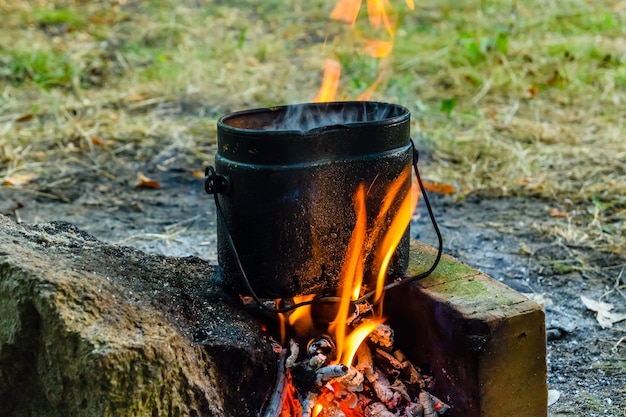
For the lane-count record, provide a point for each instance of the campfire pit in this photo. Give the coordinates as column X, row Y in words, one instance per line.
column 482, row 342
column 295, row 188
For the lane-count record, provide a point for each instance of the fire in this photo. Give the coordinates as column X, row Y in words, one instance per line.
column 352, row 270
column 383, row 27
column 330, row 82
column 346, row 11
column 356, row 337
column 379, row 241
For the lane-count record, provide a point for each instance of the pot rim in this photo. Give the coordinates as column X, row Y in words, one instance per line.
column 225, row 123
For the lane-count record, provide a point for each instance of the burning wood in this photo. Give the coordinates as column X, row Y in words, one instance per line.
column 432, row 405
column 382, row 382
column 329, row 372
column 294, row 350
column 382, row 336
column 381, row 386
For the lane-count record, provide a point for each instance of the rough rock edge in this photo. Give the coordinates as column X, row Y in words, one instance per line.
column 90, row 329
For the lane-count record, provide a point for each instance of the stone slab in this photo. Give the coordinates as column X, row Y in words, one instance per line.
column 91, row 329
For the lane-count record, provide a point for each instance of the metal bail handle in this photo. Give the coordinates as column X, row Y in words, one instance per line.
column 216, row 183
column 221, row 184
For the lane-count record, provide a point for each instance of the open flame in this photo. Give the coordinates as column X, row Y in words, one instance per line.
column 379, row 45
column 380, row 241
column 330, row 82
column 358, row 248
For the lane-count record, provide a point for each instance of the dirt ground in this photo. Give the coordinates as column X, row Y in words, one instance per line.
column 501, row 237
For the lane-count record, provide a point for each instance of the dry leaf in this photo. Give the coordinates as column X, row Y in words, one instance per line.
column 145, row 182
column 25, row 118
column 542, row 299
column 18, row 179
column 439, row 188
column 135, row 97
column 555, row 212
column 605, row 317
column 553, row 396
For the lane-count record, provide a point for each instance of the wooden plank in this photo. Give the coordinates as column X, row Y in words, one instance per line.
column 482, row 341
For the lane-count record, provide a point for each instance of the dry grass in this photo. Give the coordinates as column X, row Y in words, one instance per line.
column 511, row 98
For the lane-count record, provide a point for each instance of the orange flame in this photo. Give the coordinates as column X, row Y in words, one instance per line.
column 346, row 11
column 377, row 48
column 352, row 270
column 356, row 337
column 377, row 13
column 392, row 238
column 301, row 315
column 380, row 46
column 330, row 82
column 359, row 248
column 390, row 197
column 317, row 410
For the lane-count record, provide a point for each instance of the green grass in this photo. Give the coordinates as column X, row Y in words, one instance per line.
column 512, row 99
column 54, row 16
column 46, row 69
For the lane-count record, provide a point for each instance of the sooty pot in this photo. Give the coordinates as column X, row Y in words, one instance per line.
column 285, row 179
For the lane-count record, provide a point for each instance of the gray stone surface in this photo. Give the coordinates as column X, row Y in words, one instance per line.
column 90, row 329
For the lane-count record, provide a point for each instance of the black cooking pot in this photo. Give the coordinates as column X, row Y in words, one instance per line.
column 288, row 177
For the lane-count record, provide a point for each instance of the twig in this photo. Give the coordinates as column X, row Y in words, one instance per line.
column 619, row 342
column 483, row 91
column 180, row 223
column 278, row 396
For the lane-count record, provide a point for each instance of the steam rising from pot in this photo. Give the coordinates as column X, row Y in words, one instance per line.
column 308, row 118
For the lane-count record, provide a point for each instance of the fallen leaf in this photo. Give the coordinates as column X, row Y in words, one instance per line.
column 439, row 188
column 135, row 97
column 18, row 179
column 25, row 118
column 605, row 317
column 553, row 396
column 145, row 182
column 542, row 299
column 555, row 212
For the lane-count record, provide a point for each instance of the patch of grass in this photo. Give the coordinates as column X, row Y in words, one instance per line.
column 563, row 267
column 46, row 69
column 58, row 16
column 518, row 99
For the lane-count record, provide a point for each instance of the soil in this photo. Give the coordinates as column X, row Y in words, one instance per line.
column 499, row 236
